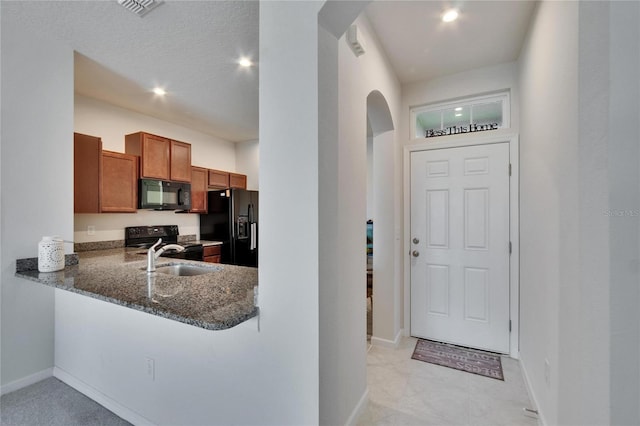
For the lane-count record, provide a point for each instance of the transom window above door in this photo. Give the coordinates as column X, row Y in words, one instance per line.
column 479, row 113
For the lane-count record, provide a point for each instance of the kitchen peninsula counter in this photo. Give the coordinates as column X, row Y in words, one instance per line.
column 215, row 301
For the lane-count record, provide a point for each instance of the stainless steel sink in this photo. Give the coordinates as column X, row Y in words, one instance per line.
column 185, row 269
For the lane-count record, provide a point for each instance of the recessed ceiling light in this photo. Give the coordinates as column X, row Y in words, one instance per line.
column 159, row 91
column 459, row 115
column 458, row 109
column 450, row 15
column 245, row 62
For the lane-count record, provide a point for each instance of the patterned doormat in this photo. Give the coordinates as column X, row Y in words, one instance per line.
column 470, row 360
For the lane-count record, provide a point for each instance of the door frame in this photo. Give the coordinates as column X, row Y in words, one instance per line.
column 458, row 141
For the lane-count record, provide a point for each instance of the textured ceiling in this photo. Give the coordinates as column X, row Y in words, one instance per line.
column 191, row 48
column 421, row 47
column 188, row 47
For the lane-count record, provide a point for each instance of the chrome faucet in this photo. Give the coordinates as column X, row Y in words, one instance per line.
column 152, row 254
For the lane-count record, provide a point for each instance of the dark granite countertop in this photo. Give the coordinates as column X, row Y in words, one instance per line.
column 215, row 301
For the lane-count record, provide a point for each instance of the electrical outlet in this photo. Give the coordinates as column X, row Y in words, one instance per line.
column 151, row 368
column 91, row 230
column 547, row 372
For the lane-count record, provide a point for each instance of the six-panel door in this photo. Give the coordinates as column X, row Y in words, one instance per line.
column 460, row 246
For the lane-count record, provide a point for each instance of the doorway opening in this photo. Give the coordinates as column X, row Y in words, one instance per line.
column 382, row 296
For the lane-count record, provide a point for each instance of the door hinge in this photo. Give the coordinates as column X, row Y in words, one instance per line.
column 510, row 247
column 509, row 326
column 509, row 169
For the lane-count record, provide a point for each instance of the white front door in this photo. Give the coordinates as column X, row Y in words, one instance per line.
column 460, row 246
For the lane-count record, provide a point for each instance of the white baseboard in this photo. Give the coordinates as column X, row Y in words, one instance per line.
column 102, row 399
column 359, row 408
column 532, row 395
column 377, row 341
column 26, row 381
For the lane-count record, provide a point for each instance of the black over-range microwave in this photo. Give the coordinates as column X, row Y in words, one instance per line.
column 164, row 195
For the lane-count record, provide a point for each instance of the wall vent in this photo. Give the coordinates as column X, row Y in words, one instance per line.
column 140, row 7
column 355, row 40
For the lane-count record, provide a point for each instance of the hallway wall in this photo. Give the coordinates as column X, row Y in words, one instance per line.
column 345, row 82
column 548, row 188
column 579, row 194
column 37, row 161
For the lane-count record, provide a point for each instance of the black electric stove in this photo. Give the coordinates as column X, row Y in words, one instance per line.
column 144, row 237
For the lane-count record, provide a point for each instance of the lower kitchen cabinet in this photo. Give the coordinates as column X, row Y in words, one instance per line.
column 212, row 254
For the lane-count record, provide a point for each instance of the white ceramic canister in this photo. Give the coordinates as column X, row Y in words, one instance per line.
column 50, row 254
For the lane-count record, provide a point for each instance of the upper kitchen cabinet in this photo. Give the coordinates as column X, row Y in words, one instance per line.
column 87, row 170
column 180, row 161
column 160, row 158
column 119, row 183
column 218, row 179
column 237, row 181
column 104, row 181
column 199, row 186
column 154, row 152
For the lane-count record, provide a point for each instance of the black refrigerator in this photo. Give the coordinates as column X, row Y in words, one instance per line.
column 233, row 219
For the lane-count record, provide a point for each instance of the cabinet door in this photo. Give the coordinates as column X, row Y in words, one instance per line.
column 155, row 157
column 212, row 254
column 119, row 182
column 180, row 161
column 218, row 179
column 237, row 181
column 86, row 173
column 199, row 188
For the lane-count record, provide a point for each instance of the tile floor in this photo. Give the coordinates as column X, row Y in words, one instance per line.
column 403, row 391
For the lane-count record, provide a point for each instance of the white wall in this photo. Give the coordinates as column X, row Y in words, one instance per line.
column 201, row 376
column 112, row 123
column 343, row 215
column 548, row 191
column 289, row 201
column 369, row 177
column 37, row 161
column 248, row 162
column 578, row 169
column 624, row 195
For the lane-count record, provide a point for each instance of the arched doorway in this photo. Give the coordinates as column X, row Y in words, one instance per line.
column 381, row 267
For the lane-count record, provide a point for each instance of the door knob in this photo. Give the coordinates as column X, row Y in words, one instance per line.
column 415, row 253
column 416, row 241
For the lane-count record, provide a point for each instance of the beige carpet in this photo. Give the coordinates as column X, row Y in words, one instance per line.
column 53, row 403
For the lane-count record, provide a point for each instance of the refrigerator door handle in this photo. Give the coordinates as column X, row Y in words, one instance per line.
column 253, row 236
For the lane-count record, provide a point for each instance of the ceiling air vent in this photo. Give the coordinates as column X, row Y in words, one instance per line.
column 140, row 7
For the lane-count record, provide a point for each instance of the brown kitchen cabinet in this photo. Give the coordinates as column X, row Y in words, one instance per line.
column 199, row 186
column 218, row 179
column 212, row 254
column 237, row 181
column 154, row 152
column 160, row 157
column 180, row 162
column 119, row 183
column 87, row 167
column 104, row 181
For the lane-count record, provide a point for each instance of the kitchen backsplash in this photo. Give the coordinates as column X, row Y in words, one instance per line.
column 110, row 226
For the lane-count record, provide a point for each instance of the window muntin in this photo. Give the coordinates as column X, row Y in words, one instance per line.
column 474, row 113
